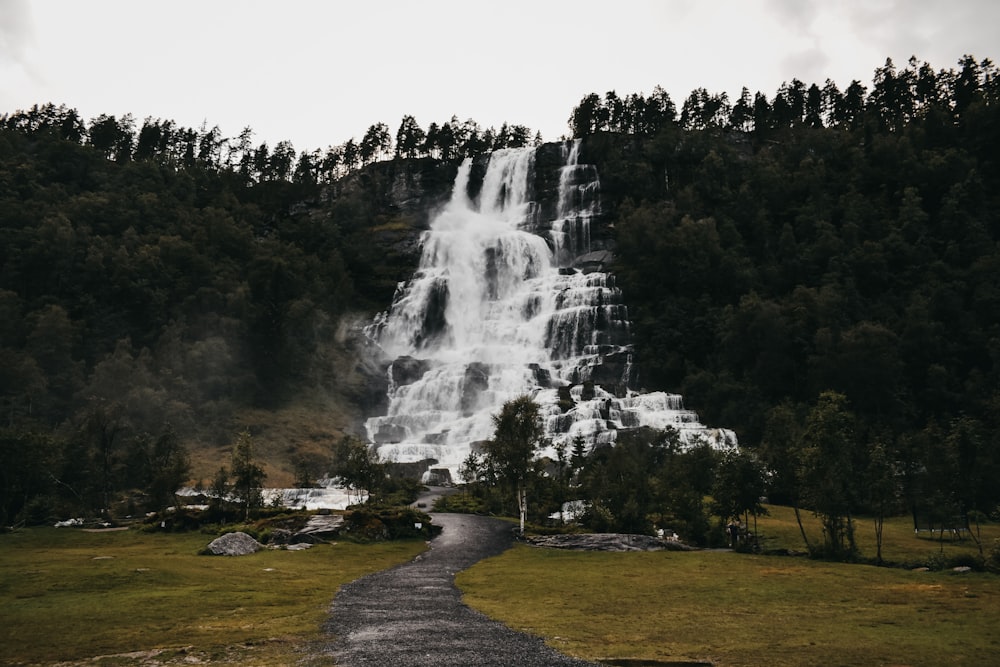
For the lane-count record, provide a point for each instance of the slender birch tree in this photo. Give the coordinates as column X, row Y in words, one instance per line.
column 518, row 437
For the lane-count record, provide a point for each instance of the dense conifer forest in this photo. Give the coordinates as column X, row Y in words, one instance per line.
column 787, row 260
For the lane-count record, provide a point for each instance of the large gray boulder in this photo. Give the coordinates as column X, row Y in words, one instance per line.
column 234, row 544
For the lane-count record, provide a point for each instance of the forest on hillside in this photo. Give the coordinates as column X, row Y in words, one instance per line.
column 156, row 280
column 774, row 249
column 824, row 244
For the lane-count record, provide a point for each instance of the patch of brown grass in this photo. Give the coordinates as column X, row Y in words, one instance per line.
column 309, row 426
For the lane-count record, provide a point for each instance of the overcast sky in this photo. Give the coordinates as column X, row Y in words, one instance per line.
column 318, row 72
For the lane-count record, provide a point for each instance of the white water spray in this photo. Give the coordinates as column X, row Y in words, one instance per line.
column 494, row 311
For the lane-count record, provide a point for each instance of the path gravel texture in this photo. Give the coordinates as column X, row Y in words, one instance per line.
column 413, row 616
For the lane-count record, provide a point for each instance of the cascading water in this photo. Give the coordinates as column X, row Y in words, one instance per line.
column 494, row 311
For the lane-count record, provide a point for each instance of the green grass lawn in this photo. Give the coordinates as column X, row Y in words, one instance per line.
column 70, row 595
column 739, row 609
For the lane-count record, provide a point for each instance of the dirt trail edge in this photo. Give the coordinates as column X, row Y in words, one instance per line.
column 412, row 615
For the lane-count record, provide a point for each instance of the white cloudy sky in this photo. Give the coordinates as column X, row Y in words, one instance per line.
column 318, row 72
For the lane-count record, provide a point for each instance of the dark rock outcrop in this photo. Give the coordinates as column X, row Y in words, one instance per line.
column 389, row 433
column 543, row 377
column 415, row 188
column 613, row 373
column 407, row 370
column 476, row 380
column 597, row 260
column 409, row 470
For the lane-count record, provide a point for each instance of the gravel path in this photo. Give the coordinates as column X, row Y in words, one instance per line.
column 413, row 616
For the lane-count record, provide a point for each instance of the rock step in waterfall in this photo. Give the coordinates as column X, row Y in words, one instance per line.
column 504, row 303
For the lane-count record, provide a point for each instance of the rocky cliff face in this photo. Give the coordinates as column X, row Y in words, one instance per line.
column 403, row 197
column 397, row 199
column 411, row 187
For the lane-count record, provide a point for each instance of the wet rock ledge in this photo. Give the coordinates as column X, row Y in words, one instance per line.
column 608, row 542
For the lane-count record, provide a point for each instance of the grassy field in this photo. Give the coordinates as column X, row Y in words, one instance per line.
column 900, row 545
column 70, row 595
column 726, row 608
column 134, row 598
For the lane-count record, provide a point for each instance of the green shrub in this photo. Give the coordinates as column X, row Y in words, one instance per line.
column 993, row 560
column 460, row 503
column 965, row 560
column 939, row 561
column 367, row 523
column 400, row 491
column 40, row 511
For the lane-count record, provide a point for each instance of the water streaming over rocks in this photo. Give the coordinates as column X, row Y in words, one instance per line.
column 507, row 302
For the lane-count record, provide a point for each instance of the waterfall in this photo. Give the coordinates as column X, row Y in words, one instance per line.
column 495, row 311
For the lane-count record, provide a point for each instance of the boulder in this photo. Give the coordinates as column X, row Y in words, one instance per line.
column 280, row 536
column 234, row 544
column 319, row 528
column 407, row 370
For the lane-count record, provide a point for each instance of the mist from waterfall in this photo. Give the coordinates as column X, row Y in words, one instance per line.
column 495, row 311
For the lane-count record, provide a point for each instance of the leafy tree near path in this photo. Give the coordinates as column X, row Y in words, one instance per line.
column 518, row 437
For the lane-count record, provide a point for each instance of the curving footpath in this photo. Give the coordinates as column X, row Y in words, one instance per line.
column 413, row 616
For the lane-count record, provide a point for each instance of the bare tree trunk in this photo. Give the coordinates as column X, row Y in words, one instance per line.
column 977, row 536
column 522, row 504
column 879, row 523
column 798, row 518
